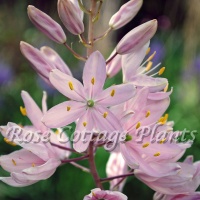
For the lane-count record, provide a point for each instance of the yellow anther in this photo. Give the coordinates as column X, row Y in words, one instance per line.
column 166, row 87
column 157, row 154
column 112, row 93
column 23, row 111
column 68, row 108
column 84, row 124
column 93, row 81
column 9, row 142
column 148, row 114
column 71, row 86
column 105, row 114
column 57, row 132
column 138, row 125
column 14, row 163
column 145, row 145
column 149, row 65
column 33, row 164
column 152, row 56
column 162, row 141
column 161, row 71
column 148, row 50
column 166, row 116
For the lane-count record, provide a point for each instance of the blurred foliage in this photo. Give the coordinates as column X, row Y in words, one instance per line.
column 16, row 74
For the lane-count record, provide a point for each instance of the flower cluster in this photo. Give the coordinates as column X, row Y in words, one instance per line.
column 129, row 109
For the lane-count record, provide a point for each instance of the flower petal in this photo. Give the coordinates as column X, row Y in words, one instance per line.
column 63, row 114
column 131, row 62
column 67, row 85
column 94, row 74
column 116, row 94
column 33, row 111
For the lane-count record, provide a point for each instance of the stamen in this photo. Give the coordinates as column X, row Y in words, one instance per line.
column 162, row 141
column 148, row 50
column 138, row 125
column 23, row 111
column 145, row 145
column 148, row 114
column 164, row 119
column 105, row 114
column 93, row 81
column 161, row 71
column 9, row 142
column 33, row 164
column 71, row 86
column 157, row 154
column 152, row 56
column 158, row 65
column 68, row 108
column 14, row 163
column 112, row 93
column 84, row 124
column 149, row 65
column 166, row 88
column 57, row 132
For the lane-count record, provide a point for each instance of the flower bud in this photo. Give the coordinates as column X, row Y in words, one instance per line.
column 114, row 66
column 125, row 14
column 71, row 15
column 46, row 25
column 55, row 60
column 137, row 38
column 43, row 61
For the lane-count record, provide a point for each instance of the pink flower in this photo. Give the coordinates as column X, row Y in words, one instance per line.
column 44, row 61
column 116, row 165
column 105, row 195
column 185, row 182
column 37, row 160
column 29, row 165
column 88, row 101
column 139, row 151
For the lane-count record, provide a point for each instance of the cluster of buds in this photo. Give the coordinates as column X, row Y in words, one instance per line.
column 132, row 111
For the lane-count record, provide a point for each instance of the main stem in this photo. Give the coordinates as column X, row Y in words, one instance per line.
column 93, row 168
column 91, row 27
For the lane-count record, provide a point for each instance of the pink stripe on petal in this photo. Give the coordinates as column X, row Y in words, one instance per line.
column 94, row 74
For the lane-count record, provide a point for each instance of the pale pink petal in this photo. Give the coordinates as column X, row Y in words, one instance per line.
column 159, row 95
column 55, row 60
column 116, row 94
column 154, row 84
column 63, row 114
column 84, row 126
column 33, row 111
column 115, row 166
column 67, row 85
column 131, row 62
column 94, row 74
column 114, row 66
column 19, row 160
column 10, row 181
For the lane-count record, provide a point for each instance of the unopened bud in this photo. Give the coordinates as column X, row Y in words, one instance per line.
column 125, row 14
column 46, row 25
column 114, row 66
column 137, row 38
column 71, row 15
